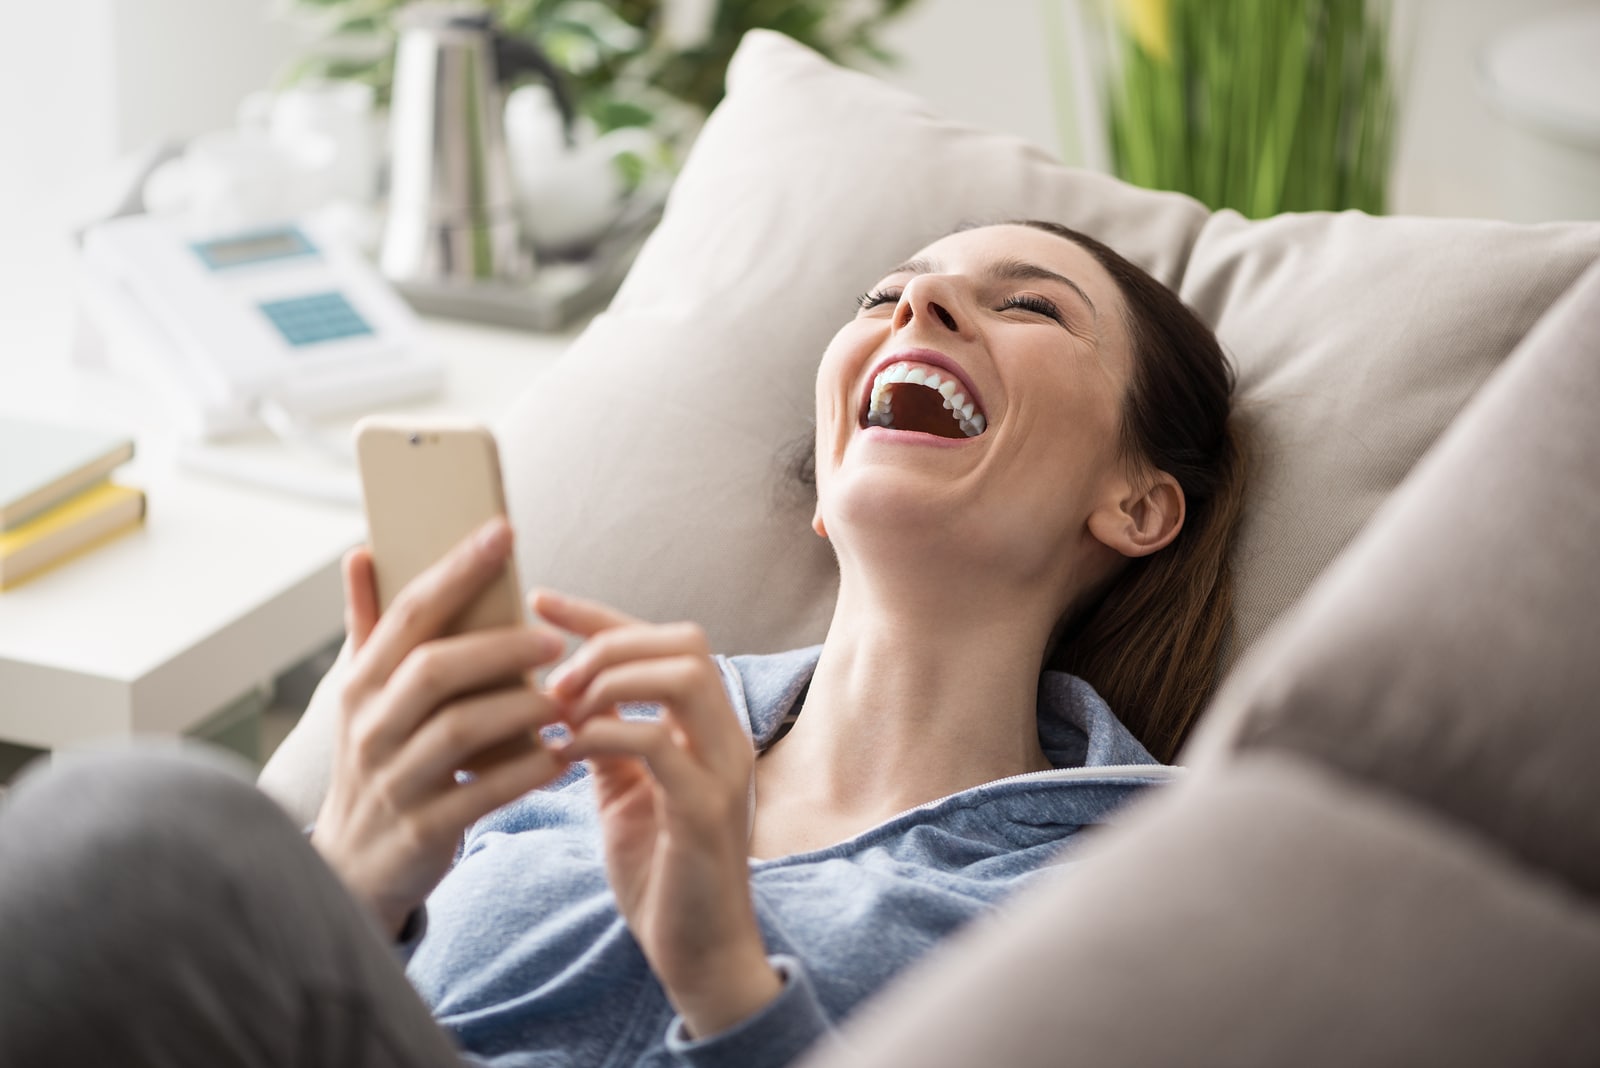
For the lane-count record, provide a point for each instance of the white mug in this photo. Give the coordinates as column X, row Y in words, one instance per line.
column 568, row 196
column 342, row 111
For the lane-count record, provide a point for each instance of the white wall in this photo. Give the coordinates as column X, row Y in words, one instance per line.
column 82, row 81
column 55, row 92
column 986, row 62
column 1456, row 156
column 184, row 65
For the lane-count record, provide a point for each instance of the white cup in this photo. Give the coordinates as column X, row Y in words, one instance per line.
column 340, row 111
column 568, row 196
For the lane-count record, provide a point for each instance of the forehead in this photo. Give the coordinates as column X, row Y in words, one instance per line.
column 970, row 250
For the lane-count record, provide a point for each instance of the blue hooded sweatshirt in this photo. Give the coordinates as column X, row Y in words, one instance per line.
column 523, row 957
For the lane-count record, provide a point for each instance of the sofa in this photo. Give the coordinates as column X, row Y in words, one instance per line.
column 1386, row 846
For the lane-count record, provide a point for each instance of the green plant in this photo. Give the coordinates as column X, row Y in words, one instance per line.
column 625, row 68
column 1258, row 105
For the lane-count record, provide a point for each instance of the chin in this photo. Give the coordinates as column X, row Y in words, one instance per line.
column 912, row 505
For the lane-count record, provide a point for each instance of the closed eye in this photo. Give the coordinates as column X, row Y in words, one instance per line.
column 1038, row 305
column 1025, row 301
column 872, row 298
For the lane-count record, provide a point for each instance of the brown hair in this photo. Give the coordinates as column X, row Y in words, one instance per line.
column 1150, row 642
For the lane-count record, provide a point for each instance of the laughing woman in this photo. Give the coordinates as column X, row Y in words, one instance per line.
column 1026, row 466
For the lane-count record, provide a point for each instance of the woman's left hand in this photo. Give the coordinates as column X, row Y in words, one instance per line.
column 673, row 796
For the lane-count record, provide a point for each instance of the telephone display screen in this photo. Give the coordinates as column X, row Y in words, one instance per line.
column 254, row 248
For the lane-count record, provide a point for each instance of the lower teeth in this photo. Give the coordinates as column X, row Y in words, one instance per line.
column 970, row 427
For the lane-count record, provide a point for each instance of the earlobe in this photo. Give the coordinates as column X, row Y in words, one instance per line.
column 1141, row 523
column 817, row 524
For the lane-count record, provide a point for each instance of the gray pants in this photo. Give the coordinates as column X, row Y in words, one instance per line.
column 157, row 909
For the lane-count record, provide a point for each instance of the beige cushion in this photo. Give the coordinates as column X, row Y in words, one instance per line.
column 1264, row 914
column 1452, row 654
column 644, row 470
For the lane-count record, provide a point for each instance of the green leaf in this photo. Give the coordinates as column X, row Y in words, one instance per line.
column 610, row 113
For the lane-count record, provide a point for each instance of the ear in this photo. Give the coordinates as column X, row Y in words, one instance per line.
column 817, row 524
column 1138, row 523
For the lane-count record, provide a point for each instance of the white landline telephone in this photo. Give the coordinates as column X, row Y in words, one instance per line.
column 270, row 326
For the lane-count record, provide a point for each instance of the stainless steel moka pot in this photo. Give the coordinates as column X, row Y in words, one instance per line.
column 452, row 211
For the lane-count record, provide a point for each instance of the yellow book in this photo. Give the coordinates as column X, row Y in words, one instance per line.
column 84, row 521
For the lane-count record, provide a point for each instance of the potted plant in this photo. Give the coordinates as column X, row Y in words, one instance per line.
column 1262, row 106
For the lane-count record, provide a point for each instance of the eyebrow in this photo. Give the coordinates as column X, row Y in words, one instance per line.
column 1010, row 269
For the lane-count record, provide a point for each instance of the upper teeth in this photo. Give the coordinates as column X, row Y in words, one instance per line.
column 965, row 413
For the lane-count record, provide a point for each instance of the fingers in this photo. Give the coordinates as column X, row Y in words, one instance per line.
column 438, row 671
column 433, row 598
column 360, row 596
column 458, row 735
column 581, row 617
column 625, row 660
column 620, row 644
column 648, row 740
column 688, row 689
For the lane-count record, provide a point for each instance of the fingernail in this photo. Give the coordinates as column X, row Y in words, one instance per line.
column 492, row 539
column 558, row 675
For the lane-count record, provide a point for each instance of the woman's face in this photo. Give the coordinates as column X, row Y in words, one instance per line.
column 977, row 392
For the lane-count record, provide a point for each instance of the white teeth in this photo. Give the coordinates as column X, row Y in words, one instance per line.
column 963, row 411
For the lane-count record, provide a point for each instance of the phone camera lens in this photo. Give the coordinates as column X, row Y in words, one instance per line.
column 415, row 439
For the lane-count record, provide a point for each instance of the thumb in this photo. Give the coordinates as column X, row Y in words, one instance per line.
column 360, row 596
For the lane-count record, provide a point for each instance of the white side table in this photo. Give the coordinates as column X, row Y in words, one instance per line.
column 226, row 585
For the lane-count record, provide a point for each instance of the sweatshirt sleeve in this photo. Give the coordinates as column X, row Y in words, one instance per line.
column 777, row 1035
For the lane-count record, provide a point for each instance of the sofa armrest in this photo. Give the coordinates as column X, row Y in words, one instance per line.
column 297, row 774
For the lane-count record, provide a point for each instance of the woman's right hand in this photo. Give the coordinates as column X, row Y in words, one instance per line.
column 414, row 709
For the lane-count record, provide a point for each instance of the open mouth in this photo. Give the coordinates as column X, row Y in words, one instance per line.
column 924, row 400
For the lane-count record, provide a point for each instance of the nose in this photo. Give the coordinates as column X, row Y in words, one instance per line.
column 932, row 298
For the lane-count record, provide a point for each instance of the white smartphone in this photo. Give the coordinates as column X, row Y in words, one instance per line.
column 426, row 485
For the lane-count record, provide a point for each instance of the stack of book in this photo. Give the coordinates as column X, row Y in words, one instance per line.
column 56, row 495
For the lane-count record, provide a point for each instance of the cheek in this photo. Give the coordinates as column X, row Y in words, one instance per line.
column 839, row 359
column 1068, row 429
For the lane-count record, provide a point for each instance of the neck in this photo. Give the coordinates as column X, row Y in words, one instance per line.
column 912, row 701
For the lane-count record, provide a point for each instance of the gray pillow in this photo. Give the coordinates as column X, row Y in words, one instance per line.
column 1452, row 654
column 1264, row 914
